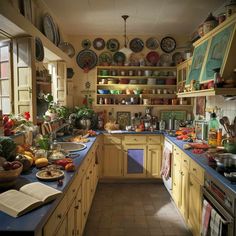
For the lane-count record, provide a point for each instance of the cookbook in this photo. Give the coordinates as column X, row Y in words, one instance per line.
column 30, row 196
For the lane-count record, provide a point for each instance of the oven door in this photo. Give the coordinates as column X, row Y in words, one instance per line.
column 228, row 225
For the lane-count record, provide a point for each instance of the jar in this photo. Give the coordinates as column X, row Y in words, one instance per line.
column 41, row 153
column 230, row 8
column 131, row 72
column 209, row 24
column 122, row 73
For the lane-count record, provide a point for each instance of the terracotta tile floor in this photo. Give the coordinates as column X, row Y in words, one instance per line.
column 133, row 210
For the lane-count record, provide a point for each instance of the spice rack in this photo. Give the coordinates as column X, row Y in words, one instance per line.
column 136, row 86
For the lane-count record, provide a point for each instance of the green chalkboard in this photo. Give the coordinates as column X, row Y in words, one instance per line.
column 199, row 55
column 217, row 52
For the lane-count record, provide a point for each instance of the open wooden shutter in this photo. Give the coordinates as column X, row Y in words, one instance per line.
column 24, row 70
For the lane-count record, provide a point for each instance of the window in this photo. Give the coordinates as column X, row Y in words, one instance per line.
column 5, row 77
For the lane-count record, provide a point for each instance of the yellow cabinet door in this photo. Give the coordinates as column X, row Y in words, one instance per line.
column 184, row 192
column 89, row 186
column 195, row 205
column 176, row 182
column 78, row 213
column 112, row 161
column 135, row 161
column 71, row 220
column 62, row 230
column 84, row 201
column 154, row 159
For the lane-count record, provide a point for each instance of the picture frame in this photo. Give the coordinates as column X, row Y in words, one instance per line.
column 123, row 119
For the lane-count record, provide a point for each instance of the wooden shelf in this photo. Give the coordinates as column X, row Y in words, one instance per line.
column 137, row 77
column 176, row 107
column 135, row 95
column 208, row 92
column 43, row 83
column 138, row 67
column 135, row 86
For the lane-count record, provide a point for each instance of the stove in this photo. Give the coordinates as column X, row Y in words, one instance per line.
column 228, row 172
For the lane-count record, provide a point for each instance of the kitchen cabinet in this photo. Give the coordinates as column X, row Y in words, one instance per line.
column 195, row 197
column 112, row 156
column 112, row 161
column 135, row 85
column 213, row 50
column 154, row 159
column 78, row 213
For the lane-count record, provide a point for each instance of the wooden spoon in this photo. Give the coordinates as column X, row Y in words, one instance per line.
column 222, row 122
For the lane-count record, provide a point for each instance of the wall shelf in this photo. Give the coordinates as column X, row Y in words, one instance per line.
column 208, row 92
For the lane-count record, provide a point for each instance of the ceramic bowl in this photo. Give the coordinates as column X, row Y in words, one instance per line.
column 103, row 91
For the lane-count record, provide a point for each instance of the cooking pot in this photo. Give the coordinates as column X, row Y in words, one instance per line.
column 229, row 145
column 225, row 160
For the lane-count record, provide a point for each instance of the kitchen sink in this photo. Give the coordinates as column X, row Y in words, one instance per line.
column 72, row 146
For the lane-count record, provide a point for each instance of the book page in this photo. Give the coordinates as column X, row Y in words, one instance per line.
column 16, row 203
column 40, row 191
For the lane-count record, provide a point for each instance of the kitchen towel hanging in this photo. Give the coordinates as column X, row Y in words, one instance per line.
column 216, row 223
column 206, row 215
column 166, row 163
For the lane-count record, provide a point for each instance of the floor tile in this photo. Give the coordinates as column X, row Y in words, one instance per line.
column 134, row 210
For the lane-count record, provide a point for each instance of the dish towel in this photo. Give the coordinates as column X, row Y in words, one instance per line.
column 216, row 223
column 166, row 163
column 206, row 215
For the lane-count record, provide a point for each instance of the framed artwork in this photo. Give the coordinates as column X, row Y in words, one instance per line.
column 217, row 52
column 199, row 55
column 200, row 105
column 123, row 119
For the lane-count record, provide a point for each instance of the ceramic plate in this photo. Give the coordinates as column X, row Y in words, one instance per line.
column 165, row 60
column 105, row 59
column 50, row 175
column 119, row 57
column 153, row 58
column 152, row 43
column 99, row 44
column 136, row 45
column 86, row 59
column 48, row 28
column 86, row 44
column 177, row 57
column 67, row 48
column 39, row 50
column 168, row 44
column 113, row 45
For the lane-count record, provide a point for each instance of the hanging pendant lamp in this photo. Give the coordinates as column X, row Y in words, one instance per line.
column 125, row 49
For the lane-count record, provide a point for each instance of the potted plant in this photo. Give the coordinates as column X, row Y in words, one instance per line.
column 51, row 113
column 86, row 118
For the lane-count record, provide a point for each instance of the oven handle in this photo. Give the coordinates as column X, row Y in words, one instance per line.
column 226, row 215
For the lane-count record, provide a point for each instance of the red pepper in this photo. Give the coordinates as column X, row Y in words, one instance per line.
column 64, row 162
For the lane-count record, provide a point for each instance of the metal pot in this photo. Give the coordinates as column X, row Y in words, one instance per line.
column 84, row 123
column 225, row 160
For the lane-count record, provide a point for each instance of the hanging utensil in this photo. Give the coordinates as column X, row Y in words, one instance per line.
column 222, row 122
column 227, row 124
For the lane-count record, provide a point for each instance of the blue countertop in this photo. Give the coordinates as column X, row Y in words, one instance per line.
column 34, row 220
column 202, row 160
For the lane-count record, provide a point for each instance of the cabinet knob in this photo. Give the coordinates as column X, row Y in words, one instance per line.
column 185, row 160
column 191, row 184
column 76, row 207
column 87, row 177
column 194, row 169
column 59, row 216
column 73, row 190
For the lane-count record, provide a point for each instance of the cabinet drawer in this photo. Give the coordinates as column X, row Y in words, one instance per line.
column 108, row 139
column 185, row 160
column 177, row 154
column 134, row 139
column 197, row 171
column 155, row 139
column 71, row 192
column 55, row 219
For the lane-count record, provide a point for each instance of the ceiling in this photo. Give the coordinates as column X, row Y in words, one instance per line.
column 147, row 17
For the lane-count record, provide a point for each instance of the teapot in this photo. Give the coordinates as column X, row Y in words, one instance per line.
column 229, row 145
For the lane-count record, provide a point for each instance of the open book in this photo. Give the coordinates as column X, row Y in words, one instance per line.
column 30, row 196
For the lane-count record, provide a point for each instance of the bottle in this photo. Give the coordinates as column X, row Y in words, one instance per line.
column 212, row 130
column 219, row 137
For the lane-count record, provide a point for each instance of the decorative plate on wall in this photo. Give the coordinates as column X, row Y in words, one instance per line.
column 113, row 45
column 67, row 48
column 39, row 50
column 177, row 57
column 165, row 59
column 99, row 43
column 168, row 44
column 152, row 43
column 48, row 28
column 86, row 59
column 136, row 45
column 105, row 59
column 119, row 57
column 86, row 43
column 153, row 58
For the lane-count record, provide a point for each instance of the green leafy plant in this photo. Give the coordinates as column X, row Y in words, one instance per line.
column 84, row 112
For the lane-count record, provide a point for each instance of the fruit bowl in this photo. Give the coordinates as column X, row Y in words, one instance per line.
column 9, row 177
